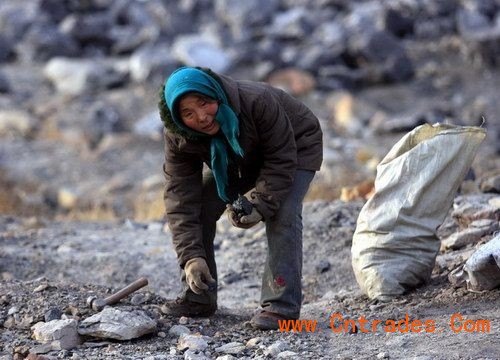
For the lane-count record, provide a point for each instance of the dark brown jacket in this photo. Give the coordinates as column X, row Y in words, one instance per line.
column 278, row 135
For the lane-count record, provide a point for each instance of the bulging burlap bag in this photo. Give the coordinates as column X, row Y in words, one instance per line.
column 395, row 243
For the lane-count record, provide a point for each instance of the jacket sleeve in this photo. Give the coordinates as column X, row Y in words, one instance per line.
column 182, row 196
column 279, row 154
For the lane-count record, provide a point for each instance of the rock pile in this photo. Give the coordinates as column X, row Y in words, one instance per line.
column 343, row 42
column 79, row 83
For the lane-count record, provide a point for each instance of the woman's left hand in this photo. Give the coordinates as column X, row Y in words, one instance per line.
column 246, row 221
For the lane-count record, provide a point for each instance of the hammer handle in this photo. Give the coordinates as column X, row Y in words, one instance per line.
column 127, row 290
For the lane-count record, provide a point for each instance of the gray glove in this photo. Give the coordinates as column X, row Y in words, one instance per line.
column 245, row 221
column 198, row 275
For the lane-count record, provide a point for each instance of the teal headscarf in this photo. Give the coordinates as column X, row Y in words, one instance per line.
column 186, row 80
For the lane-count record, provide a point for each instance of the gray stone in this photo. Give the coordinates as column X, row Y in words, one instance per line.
column 201, row 50
column 129, row 38
column 276, row 348
column 117, row 324
column 194, row 355
column 481, row 47
column 398, row 123
column 62, row 334
column 441, row 8
column 323, row 266
column 363, row 18
column 482, row 270
column 287, row 355
column 469, row 21
column 178, row 330
column 290, row 24
column 225, row 357
column 75, row 77
column 16, row 18
column 469, row 208
column 233, row 348
column 13, row 310
column 44, row 41
column 242, row 15
column 434, row 28
column 152, row 63
column 330, row 33
column 53, row 9
column 192, row 342
column 16, row 123
column 397, row 23
column 52, row 314
column 253, row 342
column 149, row 125
column 93, row 27
column 100, row 120
column 491, row 184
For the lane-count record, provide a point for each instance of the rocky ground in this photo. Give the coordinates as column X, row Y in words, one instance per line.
column 52, row 268
column 81, row 155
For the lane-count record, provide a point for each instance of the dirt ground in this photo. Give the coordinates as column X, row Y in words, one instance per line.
column 47, row 265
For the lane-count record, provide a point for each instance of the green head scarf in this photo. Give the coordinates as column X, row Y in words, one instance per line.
column 187, row 80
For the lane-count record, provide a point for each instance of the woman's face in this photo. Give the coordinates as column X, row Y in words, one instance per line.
column 198, row 113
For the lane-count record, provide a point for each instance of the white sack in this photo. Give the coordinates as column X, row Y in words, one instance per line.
column 395, row 243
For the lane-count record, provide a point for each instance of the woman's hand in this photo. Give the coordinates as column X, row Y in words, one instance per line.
column 245, row 221
column 198, row 275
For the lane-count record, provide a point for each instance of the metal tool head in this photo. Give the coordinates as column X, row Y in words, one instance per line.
column 95, row 303
column 90, row 300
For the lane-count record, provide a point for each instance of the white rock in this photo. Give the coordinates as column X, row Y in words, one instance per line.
column 178, row 330
column 287, row 355
column 201, row 50
column 276, row 348
column 149, row 125
column 231, row 348
column 193, row 355
column 253, row 342
column 13, row 310
column 62, row 334
column 117, row 324
column 16, row 122
column 67, row 198
column 225, row 357
column 192, row 342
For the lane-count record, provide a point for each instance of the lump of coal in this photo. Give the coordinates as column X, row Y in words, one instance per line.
column 242, row 206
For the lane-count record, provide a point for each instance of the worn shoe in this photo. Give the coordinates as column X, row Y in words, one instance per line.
column 183, row 307
column 267, row 320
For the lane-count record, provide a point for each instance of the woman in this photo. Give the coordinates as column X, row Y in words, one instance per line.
column 256, row 139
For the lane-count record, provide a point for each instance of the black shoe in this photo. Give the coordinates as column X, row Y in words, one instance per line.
column 267, row 320
column 182, row 307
